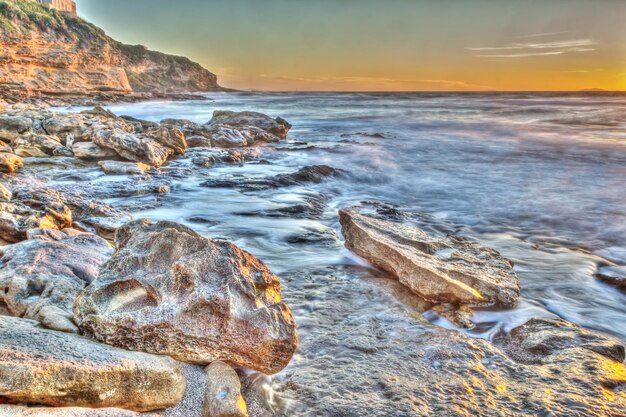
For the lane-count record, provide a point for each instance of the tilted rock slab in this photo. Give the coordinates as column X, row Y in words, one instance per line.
column 170, row 291
column 47, row 272
column 443, row 270
column 45, row 367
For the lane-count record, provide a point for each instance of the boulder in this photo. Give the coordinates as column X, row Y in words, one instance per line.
column 198, row 141
column 11, row 126
column 17, row 411
column 89, row 150
column 9, row 163
column 223, row 392
column 44, row 367
column 67, row 127
column 231, row 129
column 5, row 194
column 123, row 168
column 41, row 277
column 447, row 269
column 168, row 290
column 171, row 138
column 132, row 147
column 40, row 146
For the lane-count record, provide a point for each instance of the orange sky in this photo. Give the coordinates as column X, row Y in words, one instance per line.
column 392, row 45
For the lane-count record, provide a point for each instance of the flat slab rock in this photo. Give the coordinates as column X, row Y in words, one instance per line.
column 542, row 368
column 17, row 411
column 170, row 291
column 44, row 367
column 447, row 269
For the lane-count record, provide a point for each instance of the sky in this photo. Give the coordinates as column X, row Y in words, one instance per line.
column 383, row 45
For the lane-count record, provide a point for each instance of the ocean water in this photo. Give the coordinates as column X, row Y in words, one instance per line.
column 540, row 177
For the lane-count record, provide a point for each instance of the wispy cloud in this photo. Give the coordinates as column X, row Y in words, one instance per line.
column 540, row 35
column 529, row 49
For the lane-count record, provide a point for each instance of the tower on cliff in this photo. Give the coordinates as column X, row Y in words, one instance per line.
column 66, row 6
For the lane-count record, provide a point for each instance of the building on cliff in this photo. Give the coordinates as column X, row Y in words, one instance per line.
column 66, row 6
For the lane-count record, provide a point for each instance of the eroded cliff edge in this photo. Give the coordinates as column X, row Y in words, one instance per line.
column 47, row 53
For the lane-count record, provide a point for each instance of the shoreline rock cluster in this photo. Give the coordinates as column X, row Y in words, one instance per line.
column 102, row 315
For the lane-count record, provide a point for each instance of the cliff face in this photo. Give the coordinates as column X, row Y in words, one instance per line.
column 46, row 52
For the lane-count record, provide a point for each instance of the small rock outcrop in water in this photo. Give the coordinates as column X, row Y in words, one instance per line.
column 40, row 278
column 44, row 367
column 236, row 129
column 442, row 270
column 168, row 290
column 613, row 275
column 223, row 393
column 313, row 174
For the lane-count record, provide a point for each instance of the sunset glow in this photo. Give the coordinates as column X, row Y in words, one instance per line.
column 401, row 45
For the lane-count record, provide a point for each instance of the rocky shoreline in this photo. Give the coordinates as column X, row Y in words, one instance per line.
column 102, row 314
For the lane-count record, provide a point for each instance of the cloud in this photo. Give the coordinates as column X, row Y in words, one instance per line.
column 529, row 49
column 540, row 35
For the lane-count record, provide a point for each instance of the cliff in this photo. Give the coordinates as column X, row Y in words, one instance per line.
column 45, row 52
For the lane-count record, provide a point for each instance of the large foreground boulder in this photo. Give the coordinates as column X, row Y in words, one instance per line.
column 45, row 367
column 447, row 269
column 170, row 291
column 40, row 278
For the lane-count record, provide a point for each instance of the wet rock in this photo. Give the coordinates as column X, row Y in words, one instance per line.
column 541, row 341
column 430, row 371
column 123, row 168
column 17, row 411
column 170, row 291
column 223, row 393
column 9, row 163
column 171, row 138
column 5, row 194
column 442, row 270
column 132, row 147
column 44, row 367
column 310, row 174
column 236, row 129
column 312, row 207
column 49, row 272
column 613, row 275
column 91, row 151
column 314, row 236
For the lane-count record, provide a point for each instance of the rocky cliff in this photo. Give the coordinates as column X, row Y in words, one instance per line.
column 44, row 52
